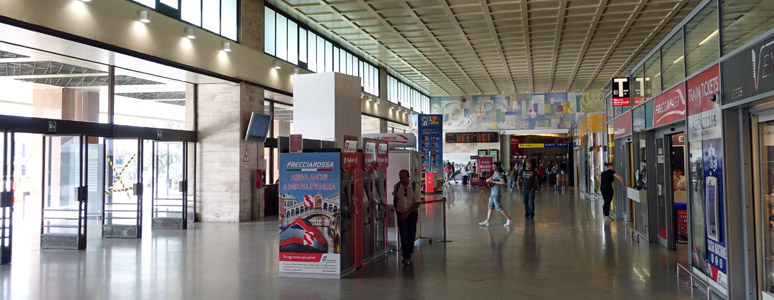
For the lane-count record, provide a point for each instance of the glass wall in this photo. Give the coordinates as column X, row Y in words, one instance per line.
column 653, row 76
column 701, row 39
column 743, row 21
column 217, row 16
column 407, row 96
column 44, row 85
column 672, row 68
column 286, row 39
column 638, row 87
column 150, row 101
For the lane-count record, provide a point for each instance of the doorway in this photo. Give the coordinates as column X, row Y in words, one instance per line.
column 672, row 194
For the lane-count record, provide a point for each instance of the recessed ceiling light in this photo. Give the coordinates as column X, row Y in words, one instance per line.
column 189, row 33
column 85, row 0
column 277, row 65
column 226, row 47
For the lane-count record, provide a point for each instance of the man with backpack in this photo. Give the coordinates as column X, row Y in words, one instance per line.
column 406, row 199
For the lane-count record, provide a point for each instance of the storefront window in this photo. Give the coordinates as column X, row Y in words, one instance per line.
column 701, row 38
column 653, row 76
column 43, row 85
column 767, row 192
column 696, row 178
column 151, row 101
column 743, row 21
column 672, row 64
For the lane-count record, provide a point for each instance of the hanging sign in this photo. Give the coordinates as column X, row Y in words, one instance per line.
column 669, row 106
column 623, row 125
column 621, row 92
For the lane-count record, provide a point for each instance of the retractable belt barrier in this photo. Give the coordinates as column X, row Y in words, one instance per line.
column 419, row 227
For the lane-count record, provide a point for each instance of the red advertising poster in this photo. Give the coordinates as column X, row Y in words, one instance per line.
column 514, row 142
column 296, row 143
column 353, row 165
column 682, row 226
column 623, row 125
column 669, row 106
column 701, row 89
column 485, row 164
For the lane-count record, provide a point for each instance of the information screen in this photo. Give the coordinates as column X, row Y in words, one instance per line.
column 472, row 137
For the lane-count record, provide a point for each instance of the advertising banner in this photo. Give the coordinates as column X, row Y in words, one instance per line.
column 669, row 106
column 712, row 150
column 430, row 136
column 623, row 125
column 309, row 239
column 296, row 143
column 701, row 89
column 748, row 73
column 407, row 140
column 485, row 164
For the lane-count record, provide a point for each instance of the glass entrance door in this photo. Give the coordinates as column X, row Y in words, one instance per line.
column 122, row 205
column 661, row 192
column 170, row 185
column 63, row 224
column 6, row 195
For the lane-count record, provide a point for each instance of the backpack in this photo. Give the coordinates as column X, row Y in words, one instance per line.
column 395, row 191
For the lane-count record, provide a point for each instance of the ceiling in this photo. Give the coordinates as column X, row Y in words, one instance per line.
column 463, row 47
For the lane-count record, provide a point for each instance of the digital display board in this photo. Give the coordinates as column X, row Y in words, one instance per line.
column 472, row 137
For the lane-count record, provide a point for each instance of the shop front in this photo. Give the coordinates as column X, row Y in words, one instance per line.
column 590, row 153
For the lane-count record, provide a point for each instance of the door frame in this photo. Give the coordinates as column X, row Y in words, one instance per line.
column 6, row 196
column 665, row 134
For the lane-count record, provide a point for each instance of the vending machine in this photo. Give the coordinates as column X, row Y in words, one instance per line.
column 369, row 203
column 316, row 194
column 353, row 166
column 380, row 198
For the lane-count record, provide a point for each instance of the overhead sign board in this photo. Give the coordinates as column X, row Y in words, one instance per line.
column 749, row 72
column 621, row 91
column 704, row 91
column 623, row 125
column 472, row 137
column 395, row 139
column 669, row 106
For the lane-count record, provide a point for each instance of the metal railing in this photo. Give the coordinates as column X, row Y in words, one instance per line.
column 710, row 290
column 631, row 233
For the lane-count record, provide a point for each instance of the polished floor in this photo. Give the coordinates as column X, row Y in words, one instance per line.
column 567, row 252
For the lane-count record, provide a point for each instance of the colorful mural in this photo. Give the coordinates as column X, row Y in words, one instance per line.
column 514, row 112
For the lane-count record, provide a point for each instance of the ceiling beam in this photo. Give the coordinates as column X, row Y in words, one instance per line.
column 527, row 47
column 557, row 40
column 438, row 44
column 343, row 18
column 589, row 35
column 394, row 31
column 621, row 35
column 496, row 38
column 652, row 35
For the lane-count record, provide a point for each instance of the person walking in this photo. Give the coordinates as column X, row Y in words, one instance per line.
column 406, row 197
column 606, row 187
column 447, row 171
column 528, row 184
column 453, row 174
column 511, row 177
column 494, row 197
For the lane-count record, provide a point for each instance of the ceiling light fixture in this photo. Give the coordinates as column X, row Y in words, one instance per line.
column 226, row 46
column 189, row 33
column 678, row 60
column 85, row 0
column 709, row 37
column 144, row 16
column 277, row 65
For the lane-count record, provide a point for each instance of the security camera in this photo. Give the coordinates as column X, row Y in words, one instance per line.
column 714, row 97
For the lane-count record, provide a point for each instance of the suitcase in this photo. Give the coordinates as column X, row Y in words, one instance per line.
column 464, row 179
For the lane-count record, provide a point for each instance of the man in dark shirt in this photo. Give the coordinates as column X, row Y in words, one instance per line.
column 528, row 184
column 606, row 187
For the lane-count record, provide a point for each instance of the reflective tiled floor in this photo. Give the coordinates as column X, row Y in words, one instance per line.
column 567, row 252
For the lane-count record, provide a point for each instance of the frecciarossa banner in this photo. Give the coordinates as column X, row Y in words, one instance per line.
column 669, row 106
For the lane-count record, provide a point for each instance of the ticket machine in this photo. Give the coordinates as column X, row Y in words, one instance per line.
column 380, row 198
column 368, row 216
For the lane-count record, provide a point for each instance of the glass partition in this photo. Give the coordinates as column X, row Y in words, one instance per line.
column 743, row 21
column 672, row 65
column 701, row 39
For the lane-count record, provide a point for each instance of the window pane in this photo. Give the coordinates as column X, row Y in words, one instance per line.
column 211, row 19
column 228, row 27
column 151, row 101
column 282, row 37
column 349, row 64
column 745, row 20
column 302, row 45
column 336, row 59
column 638, row 86
column 292, row 42
column 653, row 76
column 328, row 56
column 170, row 3
column 701, row 39
column 320, row 54
column 312, row 46
column 672, row 69
column 191, row 11
column 269, row 32
column 149, row 3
